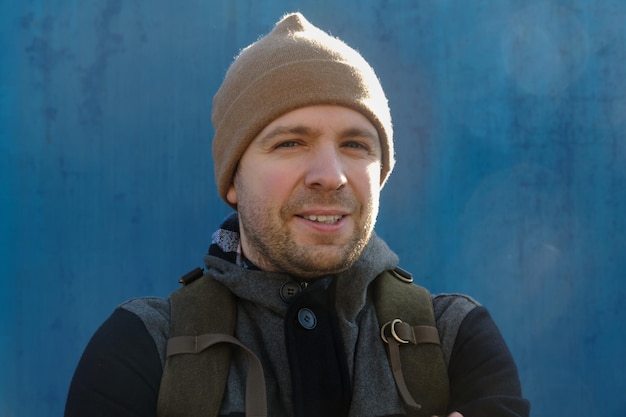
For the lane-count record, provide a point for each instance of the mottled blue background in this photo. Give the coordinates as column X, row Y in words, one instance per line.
column 510, row 182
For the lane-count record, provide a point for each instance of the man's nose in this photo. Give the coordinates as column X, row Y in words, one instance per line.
column 325, row 169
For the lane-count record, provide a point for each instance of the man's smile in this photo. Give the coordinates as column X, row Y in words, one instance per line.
column 328, row 219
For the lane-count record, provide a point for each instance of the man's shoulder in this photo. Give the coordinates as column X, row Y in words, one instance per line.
column 148, row 308
column 154, row 312
column 453, row 305
column 450, row 311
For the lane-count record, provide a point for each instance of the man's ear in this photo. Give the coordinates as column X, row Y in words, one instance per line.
column 231, row 195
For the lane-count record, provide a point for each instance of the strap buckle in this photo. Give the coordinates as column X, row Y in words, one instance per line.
column 392, row 324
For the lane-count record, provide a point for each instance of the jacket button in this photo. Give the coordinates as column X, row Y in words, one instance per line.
column 288, row 290
column 307, row 318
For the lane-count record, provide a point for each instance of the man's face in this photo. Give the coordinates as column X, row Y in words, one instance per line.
column 307, row 190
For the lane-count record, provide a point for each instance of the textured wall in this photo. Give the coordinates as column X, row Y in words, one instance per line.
column 510, row 182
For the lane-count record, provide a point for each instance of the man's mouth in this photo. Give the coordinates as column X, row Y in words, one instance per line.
column 327, row 219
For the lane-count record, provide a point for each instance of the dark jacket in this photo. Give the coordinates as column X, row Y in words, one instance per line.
column 120, row 370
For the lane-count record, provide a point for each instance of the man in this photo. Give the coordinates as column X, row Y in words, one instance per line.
column 303, row 145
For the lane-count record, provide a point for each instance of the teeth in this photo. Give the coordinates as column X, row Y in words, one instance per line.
column 324, row 219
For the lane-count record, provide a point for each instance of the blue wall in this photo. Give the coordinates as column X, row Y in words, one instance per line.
column 510, row 183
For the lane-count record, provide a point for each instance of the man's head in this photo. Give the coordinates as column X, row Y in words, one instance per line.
column 303, row 145
column 295, row 65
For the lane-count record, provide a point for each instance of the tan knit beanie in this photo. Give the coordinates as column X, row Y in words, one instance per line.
column 295, row 65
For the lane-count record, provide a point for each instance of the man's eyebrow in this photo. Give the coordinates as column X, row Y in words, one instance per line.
column 288, row 130
column 351, row 132
column 356, row 132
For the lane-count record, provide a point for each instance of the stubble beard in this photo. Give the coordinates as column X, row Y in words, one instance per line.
column 276, row 249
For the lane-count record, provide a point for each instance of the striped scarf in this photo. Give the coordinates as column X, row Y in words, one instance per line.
column 226, row 243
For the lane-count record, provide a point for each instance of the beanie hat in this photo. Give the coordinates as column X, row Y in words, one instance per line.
column 294, row 66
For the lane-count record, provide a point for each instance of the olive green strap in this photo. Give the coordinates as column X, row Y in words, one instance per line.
column 395, row 333
column 405, row 333
column 407, row 320
column 194, row 385
column 256, row 403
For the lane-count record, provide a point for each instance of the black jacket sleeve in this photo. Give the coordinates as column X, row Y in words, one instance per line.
column 119, row 372
column 483, row 376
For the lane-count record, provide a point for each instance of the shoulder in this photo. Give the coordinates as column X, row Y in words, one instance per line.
column 450, row 312
column 453, row 306
column 148, row 308
column 120, row 364
column 154, row 313
column 483, row 375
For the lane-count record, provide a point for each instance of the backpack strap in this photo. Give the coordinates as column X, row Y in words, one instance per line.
column 408, row 328
column 198, row 350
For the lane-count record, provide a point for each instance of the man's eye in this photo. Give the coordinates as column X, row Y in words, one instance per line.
column 287, row 144
column 356, row 145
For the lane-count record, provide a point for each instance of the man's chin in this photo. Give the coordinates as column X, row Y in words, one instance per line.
column 325, row 260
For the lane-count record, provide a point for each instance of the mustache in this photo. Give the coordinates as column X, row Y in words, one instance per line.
column 336, row 199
